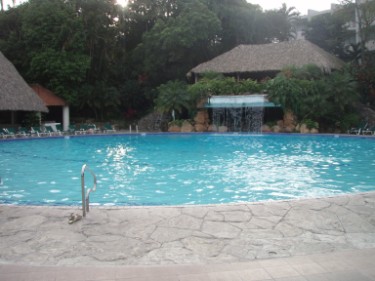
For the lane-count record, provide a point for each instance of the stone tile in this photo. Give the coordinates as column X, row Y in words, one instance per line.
column 193, row 277
column 220, row 229
column 293, row 278
column 335, row 265
column 224, row 276
column 72, row 274
column 254, row 274
column 308, row 268
column 232, row 266
column 340, row 276
column 194, row 235
column 182, row 222
column 282, row 271
column 164, row 234
column 150, row 278
column 30, row 276
column 273, row 262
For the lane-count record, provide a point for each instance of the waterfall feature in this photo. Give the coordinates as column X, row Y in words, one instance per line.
column 239, row 113
column 244, row 119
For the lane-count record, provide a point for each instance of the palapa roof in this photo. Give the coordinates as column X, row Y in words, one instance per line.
column 271, row 57
column 15, row 93
column 48, row 97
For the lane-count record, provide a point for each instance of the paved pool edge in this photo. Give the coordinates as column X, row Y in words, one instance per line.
column 193, row 235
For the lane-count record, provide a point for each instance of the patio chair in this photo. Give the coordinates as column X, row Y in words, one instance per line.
column 108, row 128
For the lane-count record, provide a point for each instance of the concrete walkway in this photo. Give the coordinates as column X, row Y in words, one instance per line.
column 267, row 241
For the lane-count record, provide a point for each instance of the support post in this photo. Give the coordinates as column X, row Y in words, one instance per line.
column 66, row 118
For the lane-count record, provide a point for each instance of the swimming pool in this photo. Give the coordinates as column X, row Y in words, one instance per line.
column 174, row 169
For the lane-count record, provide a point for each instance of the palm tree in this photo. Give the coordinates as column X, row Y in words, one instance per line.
column 282, row 23
column 173, row 98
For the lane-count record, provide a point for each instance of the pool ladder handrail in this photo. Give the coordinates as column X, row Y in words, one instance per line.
column 86, row 195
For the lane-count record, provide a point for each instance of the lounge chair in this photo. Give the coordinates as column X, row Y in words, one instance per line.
column 59, row 130
column 369, row 131
column 108, row 128
column 23, row 132
column 89, row 128
column 75, row 131
column 39, row 132
column 358, row 130
column 49, row 131
column 7, row 133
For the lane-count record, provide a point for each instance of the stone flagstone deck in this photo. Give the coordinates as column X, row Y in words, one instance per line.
column 186, row 235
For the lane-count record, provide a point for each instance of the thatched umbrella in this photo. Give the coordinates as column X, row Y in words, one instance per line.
column 270, row 58
column 15, row 93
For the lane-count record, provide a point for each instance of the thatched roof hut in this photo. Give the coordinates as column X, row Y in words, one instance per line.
column 269, row 59
column 15, row 93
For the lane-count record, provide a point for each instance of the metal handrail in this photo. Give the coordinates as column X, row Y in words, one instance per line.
column 86, row 197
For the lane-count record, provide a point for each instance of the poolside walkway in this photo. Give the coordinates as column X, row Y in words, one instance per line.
column 313, row 239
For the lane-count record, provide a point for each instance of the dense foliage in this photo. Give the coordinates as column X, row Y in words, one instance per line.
column 312, row 95
column 107, row 60
column 110, row 61
column 336, row 34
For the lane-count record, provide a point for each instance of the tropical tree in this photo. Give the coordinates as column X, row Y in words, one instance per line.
column 216, row 84
column 45, row 40
column 362, row 14
column 173, row 98
column 309, row 93
column 241, row 23
column 281, row 23
column 175, row 45
column 329, row 32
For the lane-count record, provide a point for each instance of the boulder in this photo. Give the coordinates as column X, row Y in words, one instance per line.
column 174, row 129
column 187, row 127
column 289, row 119
column 223, row 129
column 266, row 129
column 200, row 128
column 201, row 117
column 314, row 131
column 276, row 129
column 280, row 123
column 289, row 129
column 212, row 128
column 303, row 129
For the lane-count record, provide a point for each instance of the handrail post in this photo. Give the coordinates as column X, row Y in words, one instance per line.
column 83, row 190
column 86, row 197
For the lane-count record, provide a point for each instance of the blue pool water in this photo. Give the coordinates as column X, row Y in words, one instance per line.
column 168, row 169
